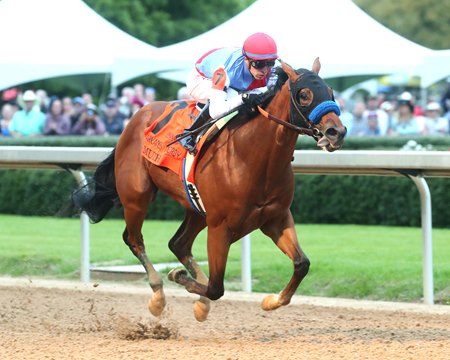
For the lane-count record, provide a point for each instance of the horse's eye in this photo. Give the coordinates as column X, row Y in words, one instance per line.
column 305, row 97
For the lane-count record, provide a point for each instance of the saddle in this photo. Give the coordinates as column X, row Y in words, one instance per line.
column 163, row 131
column 161, row 146
column 162, row 139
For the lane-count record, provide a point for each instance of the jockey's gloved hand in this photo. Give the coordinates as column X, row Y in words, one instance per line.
column 252, row 99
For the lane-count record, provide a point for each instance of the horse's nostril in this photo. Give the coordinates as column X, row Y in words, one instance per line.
column 331, row 132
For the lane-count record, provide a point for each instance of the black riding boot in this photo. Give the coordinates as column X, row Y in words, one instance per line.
column 189, row 142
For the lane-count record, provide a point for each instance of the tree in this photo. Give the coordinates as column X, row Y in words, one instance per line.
column 165, row 22
column 426, row 22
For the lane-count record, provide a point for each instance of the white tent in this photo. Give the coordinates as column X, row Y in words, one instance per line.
column 49, row 38
column 435, row 67
column 347, row 40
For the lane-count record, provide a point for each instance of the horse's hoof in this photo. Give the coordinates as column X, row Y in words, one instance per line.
column 175, row 274
column 270, row 302
column 157, row 303
column 201, row 309
column 171, row 275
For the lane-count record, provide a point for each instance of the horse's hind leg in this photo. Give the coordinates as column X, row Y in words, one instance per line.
column 181, row 246
column 135, row 211
column 282, row 232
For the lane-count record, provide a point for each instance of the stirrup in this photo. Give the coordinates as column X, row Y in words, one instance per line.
column 188, row 138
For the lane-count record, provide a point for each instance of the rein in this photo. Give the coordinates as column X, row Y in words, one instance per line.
column 299, row 130
column 310, row 130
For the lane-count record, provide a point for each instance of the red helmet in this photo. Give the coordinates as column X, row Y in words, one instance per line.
column 260, row 46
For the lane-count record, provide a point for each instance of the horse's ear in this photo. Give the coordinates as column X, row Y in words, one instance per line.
column 291, row 73
column 316, row 66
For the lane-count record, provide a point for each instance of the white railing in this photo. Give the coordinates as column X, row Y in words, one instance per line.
column 414, row 164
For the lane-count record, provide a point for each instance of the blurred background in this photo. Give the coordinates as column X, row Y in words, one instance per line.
column 166, row 22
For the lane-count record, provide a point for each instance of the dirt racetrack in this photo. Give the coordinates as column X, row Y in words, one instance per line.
column 46, row 319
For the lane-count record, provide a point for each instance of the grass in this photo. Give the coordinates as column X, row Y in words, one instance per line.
column 370, row 262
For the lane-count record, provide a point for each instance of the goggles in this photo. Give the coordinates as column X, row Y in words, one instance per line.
column 261, row 64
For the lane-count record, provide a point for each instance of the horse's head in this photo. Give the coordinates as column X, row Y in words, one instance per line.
column 313, row 106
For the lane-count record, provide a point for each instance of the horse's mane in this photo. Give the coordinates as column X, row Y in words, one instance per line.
column 281, row 77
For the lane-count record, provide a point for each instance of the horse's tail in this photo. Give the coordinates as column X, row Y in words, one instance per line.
column 98, row 196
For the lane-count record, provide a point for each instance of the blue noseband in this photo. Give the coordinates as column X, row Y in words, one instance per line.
column 322, row 109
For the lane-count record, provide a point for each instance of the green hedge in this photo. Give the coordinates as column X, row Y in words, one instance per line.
column 339, row 199
column 343, row 199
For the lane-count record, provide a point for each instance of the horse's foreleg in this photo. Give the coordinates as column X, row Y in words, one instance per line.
column 218, row 247
column 283, row 234
column 202, row 305
column 181, row 246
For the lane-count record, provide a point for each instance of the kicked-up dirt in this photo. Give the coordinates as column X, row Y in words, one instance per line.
column 48, row 319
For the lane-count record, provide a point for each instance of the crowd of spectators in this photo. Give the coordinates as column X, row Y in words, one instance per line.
column 34, row 113
column 399, row 117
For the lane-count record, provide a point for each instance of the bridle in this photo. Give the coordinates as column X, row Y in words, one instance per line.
column 310, row 130
column 306, row 126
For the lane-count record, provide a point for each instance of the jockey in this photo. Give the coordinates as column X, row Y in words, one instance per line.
column 229, row 77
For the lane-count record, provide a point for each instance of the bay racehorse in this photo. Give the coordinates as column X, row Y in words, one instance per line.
column 244, row 177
